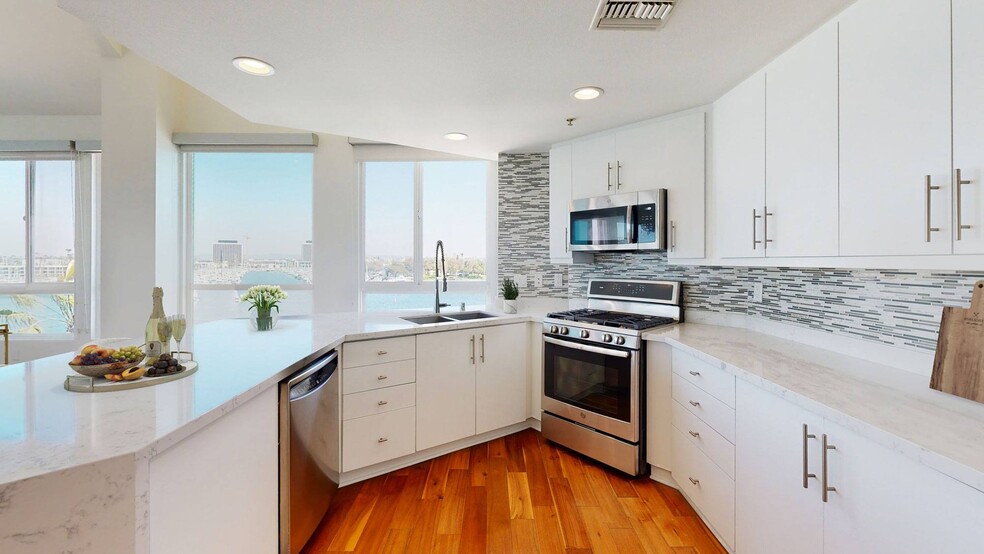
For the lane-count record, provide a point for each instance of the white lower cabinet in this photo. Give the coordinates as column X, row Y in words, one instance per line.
column 886, row 502
column 775, row 513
column 877, row 500
column 470, row 382
column 377, row 438
column 706, row 485
column 502, row 377
column 445, row 387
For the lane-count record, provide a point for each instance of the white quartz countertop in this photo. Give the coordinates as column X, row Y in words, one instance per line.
column 892, row 407
column 45, row 429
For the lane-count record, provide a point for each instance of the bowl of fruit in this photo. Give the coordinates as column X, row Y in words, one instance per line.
column 101, row 361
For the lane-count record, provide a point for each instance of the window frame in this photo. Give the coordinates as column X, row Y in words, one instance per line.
column 419, row 285
column 186, row 202
column 85, row 171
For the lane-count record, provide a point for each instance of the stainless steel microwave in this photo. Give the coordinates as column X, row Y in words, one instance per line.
column 630, row 221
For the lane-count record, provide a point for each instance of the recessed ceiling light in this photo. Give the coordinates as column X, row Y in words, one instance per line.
column 587, row 93
column 456, row 136
column 253, row 66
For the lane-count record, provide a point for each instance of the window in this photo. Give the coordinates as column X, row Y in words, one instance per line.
column 250, row 225
column 407, row 208
column 42, row 277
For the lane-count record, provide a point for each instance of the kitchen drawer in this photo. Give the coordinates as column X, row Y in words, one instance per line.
column 718, row 415
column 358, row 354
column 716, row 381
column 371, row 377
column 377, row 438
column 709, row 488
column 709, row 441
column 378, row 401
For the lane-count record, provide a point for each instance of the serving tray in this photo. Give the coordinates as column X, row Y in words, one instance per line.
column 81, row 383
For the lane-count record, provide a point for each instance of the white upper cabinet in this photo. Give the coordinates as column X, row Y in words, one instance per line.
column 560, row 199
column 895, row 128
column 738, row 139
column 801, row 148
column 968, row 125
column 593, row 167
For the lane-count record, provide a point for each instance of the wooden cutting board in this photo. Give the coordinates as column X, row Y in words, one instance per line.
column 959, row 365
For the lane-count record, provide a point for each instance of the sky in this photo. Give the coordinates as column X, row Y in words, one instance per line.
column 54, row 215
column 263, row 196
column 453, row 208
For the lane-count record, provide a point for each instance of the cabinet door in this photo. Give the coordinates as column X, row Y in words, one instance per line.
column 502, row 381
column 774, row 513
column 801, row 148
column 678, row 166
column 445, row 387
column 738, row 139
column 593, row 167
column 968, row 123
column 637, row 150
column 560, row 200
column 895, row 128
column 886, row 502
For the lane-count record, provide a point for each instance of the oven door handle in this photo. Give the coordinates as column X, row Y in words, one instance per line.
column 587, row 348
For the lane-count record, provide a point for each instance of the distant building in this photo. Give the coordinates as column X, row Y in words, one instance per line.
column 306, row 251
column 229, row 252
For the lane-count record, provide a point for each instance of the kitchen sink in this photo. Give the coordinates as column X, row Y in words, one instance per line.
column 467, row 316
column 426, row 319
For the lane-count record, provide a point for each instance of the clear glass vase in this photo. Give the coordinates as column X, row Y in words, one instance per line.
column 264, row 319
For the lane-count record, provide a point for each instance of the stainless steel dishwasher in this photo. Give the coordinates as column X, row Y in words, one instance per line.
column 310, row 425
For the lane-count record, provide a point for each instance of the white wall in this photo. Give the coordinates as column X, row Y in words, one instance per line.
column 49, row 127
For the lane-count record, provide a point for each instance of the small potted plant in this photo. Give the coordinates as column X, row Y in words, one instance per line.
column 510, row 292
column 264, row 299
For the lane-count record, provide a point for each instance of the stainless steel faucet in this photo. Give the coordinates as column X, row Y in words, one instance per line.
column 439, row 251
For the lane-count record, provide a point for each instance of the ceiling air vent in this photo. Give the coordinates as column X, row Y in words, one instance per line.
column 620, row 15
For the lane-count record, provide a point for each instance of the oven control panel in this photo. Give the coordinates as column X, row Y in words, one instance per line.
column 603, row 336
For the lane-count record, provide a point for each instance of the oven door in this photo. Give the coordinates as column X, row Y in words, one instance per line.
column 604, row 223
column 592, row 385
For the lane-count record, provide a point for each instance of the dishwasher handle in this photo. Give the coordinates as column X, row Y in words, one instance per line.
column 310, row 380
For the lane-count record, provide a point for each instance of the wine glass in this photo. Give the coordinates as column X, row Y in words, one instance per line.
column 178, row 326
column 164, row 332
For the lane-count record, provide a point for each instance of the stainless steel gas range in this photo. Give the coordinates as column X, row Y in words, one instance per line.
column 594, row 369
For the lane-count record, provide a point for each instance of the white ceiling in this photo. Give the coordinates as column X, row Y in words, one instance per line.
column 49, row 61
column 499, row 70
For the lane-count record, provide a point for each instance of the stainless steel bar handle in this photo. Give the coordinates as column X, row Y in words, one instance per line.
column 382, row 403
column 929, row 207
column 824, row 486
column 382, row 353
column 567, row 239
column 609, row 175
column 696, row 482
column 482, row 340
column 618, row 175
column 381, row 377
column 694, row 434
column 694, row 403
column 672, row 235
column 765, row 227
column 958, row 182
column 755, row 218
column 473, row 350
column 382, row 439
column 807, row 435
column 694, row 373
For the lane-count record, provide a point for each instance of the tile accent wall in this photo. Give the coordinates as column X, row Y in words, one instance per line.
column 524, row 224
column 897, row 308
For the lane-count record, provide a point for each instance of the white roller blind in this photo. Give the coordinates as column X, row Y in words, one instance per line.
column 217, row 142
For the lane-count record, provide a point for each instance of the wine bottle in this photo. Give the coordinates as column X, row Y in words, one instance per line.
column 153, row 341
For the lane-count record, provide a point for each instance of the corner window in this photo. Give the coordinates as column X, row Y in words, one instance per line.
column 250, row 225
column 42, row 284
column 407, row 208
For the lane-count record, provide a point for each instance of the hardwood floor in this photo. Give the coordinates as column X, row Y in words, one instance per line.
column 517, row 494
